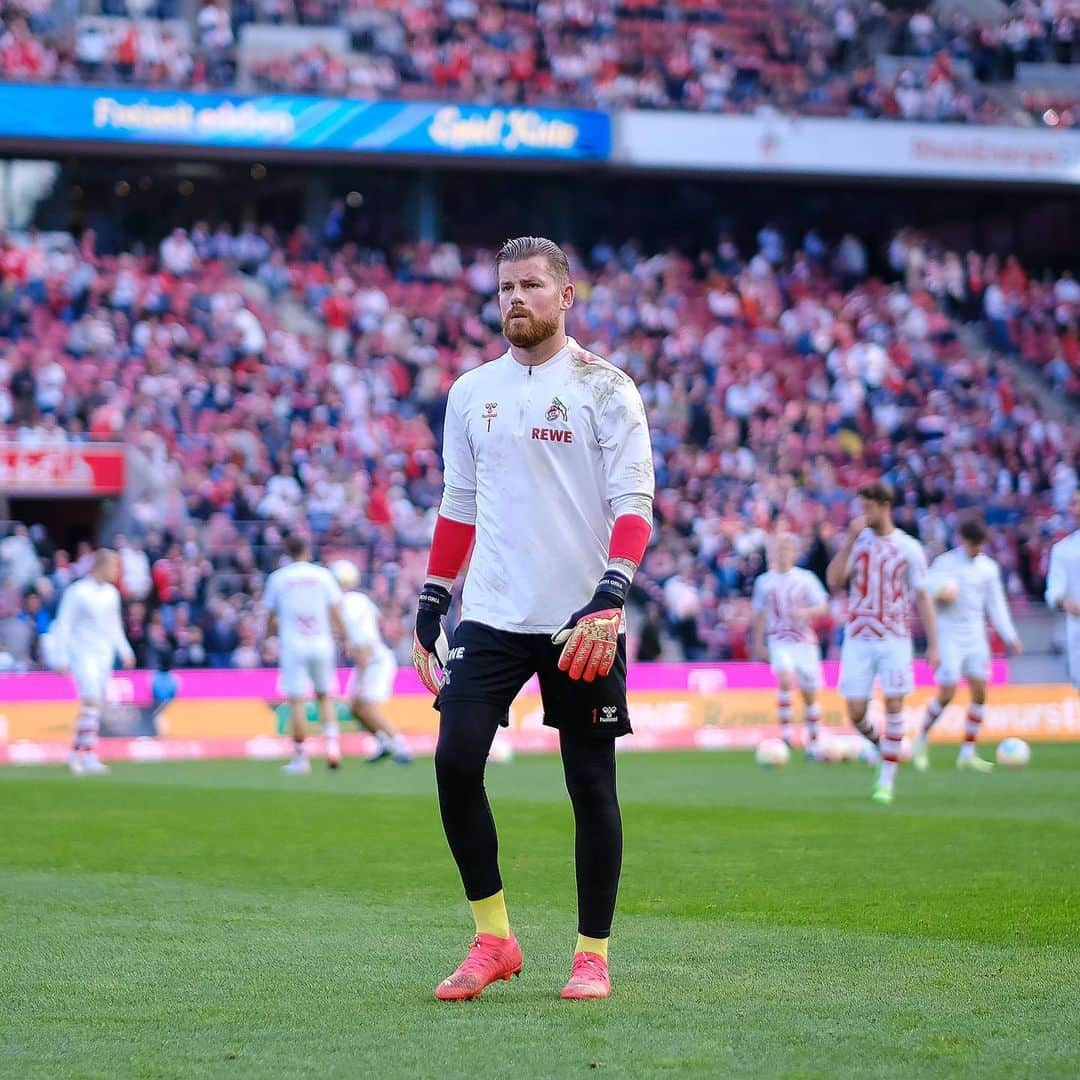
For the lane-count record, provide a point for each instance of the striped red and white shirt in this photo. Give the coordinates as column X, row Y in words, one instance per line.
column 780, row 596
column 885, row 573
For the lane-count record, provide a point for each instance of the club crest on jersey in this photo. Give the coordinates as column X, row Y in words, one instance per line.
column 490, row 412
column 556, row 411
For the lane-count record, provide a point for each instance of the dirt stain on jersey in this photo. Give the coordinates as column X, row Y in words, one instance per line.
column 600, row 380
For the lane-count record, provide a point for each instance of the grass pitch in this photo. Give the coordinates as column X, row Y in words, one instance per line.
column 223, row 920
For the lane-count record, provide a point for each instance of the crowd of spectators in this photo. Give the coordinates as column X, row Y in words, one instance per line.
column 270, row 385
column 816, row 58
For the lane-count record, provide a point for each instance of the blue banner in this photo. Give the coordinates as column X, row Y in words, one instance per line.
column 272, row 121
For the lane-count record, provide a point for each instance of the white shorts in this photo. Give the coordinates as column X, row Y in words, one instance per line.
column 91, row 678
column 798, row 658
column 962, row 659
column 375, row 684
column 888, row 659
column 311, row 669
column 1072, row 650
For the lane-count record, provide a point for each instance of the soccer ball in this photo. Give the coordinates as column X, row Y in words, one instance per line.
column 345, row 573
column 825, row 749
column 947, row 593
column 772, row 753
column 502, row 751
column 1013, row 753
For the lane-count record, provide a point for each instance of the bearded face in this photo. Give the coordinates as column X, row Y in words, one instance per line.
column 526, row 330
column 532, row 301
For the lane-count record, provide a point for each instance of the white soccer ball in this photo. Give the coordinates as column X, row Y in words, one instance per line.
column 947, row 592
column 345, row 574
column 825, row 749
column 772, row 753
column 1013, row 753
column 502, row 751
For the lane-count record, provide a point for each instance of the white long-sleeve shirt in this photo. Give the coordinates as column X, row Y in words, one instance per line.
column 1063, row 583
column 542, row 459
column 361, row 618
column 88, row 627
column 979, row 596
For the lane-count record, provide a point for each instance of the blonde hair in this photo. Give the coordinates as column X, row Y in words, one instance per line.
column 525, row 247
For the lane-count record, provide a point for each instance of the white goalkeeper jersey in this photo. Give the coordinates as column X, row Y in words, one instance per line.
column 88, row 629
column 979, row 596
column 542, row 459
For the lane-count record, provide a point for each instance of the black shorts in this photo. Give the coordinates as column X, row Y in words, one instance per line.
column 493, row 665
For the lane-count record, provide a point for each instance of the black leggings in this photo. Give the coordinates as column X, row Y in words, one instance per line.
column 466, row 730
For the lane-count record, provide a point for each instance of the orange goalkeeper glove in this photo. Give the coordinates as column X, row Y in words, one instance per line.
column 430, row 646
column 590, row 636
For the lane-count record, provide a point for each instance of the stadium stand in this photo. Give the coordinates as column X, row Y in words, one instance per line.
column 271, row 385
column 821, row 58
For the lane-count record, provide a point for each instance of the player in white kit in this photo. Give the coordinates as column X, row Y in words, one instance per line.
column 86, row 640
column 372, row 679
column 305, row 602
column 785, row 602
column 886, row 570
column 1063, row 590
column 966, row 586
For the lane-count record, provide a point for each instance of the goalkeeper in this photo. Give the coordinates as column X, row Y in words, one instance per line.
column 548, row 472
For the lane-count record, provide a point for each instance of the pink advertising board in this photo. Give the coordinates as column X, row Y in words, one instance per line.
column 262, row 683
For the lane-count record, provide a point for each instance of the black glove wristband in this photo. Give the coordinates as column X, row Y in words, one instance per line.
column 615, row 585
column 434, row 600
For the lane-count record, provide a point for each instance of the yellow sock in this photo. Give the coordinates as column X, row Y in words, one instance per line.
column 596, row 945
column 490, row 915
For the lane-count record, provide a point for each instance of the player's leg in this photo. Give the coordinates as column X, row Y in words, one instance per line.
column 298, row 764
column 589, row 717
column 783, row 670
column 294, row 684
column 87, row 725
column 967, row 758
column 589, row 770
column 920, row 751
column 897, row 682
column 784, row 698
column 370, row 689
column 808, row 678
column 389, row 742
column 466, row 731
column 947, row 676
column 811, row 716
column 91, row 681
column 857, row 669
column 486, row 670
column 323, row 678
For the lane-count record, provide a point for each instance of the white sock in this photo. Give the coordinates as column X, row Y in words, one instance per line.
column 399, row 744
column 887, row 774
column 385, row 741
column 330, row 731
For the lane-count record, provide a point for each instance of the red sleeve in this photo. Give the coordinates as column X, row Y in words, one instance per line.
column 449, row 547
column 629, row 538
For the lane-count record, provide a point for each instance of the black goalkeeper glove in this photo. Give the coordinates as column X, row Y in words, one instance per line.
column 591, row 634
column 430, row 645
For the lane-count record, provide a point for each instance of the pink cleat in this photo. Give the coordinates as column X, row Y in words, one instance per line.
column 490, row 958
column 588, row 979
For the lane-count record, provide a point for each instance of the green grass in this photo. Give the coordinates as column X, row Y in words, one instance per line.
column 222, row 920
